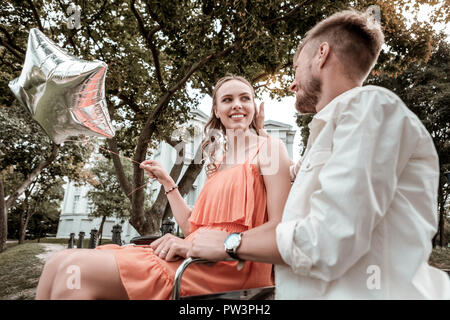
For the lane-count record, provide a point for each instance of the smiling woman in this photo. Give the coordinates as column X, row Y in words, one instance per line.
column 235, row 106
column 233, row 113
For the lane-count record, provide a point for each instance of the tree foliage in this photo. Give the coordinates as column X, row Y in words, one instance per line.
column 158, row 51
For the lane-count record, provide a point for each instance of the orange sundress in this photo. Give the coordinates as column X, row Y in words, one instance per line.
column 234, row 200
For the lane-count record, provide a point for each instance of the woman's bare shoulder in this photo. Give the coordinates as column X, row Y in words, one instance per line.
column 273, row 156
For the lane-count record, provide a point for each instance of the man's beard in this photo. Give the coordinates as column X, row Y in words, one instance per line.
column 307, row 101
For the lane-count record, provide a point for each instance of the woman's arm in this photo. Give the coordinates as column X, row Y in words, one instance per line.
column 180, row 209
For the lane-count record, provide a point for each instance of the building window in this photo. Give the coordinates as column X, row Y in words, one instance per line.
column 192, row 143
column 75, row 202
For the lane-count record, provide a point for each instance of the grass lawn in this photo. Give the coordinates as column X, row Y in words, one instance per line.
column 440, row 258
column 20, row 270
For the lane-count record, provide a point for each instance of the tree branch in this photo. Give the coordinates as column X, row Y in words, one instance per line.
column 130, row 102
column 35, row 15
column 124, row 183
column 99, row 13
column 11, row 50
column 153, row 15
column 13, row 197
column 288, row 14
column 148, row 35
column 3, row 216
column 10, row 41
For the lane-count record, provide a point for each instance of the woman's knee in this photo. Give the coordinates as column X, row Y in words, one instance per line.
column 54, row 263
column 88, row 275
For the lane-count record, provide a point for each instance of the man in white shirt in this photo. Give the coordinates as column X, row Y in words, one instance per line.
column 362, row 210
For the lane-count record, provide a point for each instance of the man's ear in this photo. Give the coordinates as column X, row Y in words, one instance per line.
column 323, row 54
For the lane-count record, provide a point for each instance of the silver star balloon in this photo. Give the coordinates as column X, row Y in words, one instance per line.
column 64, row 94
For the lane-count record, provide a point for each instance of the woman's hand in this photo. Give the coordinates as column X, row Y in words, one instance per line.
column 156, row 171
column 170, row 247
column 208, row 244
column 260, row 121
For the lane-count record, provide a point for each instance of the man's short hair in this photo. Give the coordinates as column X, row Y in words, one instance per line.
column 356, row 39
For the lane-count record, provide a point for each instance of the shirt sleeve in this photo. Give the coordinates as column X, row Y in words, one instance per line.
column 372, row 143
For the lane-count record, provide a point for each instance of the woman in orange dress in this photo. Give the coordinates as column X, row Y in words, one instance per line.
column 248, row 184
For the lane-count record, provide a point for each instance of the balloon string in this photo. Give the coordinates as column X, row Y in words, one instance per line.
column 85, row 141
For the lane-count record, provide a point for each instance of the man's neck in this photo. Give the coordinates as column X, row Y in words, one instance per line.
column 333, row 87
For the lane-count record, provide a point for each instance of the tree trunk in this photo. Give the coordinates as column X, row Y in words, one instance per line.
column 100, row 230
column 22, row 228
column 3, row 217
column 442, row 199
column 441, row 227
column 25, row 184
column 23, row 218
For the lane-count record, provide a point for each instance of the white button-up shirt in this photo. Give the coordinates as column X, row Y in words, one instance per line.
column 362, row 210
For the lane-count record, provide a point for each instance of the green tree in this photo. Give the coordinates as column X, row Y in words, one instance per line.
column 28, row 158
column 41, row 200
column 156, row 50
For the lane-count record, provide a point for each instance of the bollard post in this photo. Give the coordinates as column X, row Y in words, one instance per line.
column 93, row 239
column 80, row 239
column 116, row 231
column 71, row 240
column 167, row 227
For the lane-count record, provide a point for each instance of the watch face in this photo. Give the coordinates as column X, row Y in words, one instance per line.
column 232, row 241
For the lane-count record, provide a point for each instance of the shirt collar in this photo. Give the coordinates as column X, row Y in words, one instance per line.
column 327, row 112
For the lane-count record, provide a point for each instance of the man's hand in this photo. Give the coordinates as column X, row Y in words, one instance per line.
column 170, row 247
column 209, row 245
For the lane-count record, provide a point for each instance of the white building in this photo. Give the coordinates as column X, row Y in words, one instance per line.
column 76, row 208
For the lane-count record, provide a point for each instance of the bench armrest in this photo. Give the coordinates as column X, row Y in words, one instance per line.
column 144, row 240
column 179, row 274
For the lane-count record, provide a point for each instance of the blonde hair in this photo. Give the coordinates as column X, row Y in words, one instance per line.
column 212, row 143
column 355, row 37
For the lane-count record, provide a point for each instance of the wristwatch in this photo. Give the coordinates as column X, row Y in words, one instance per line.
column 232, row 243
